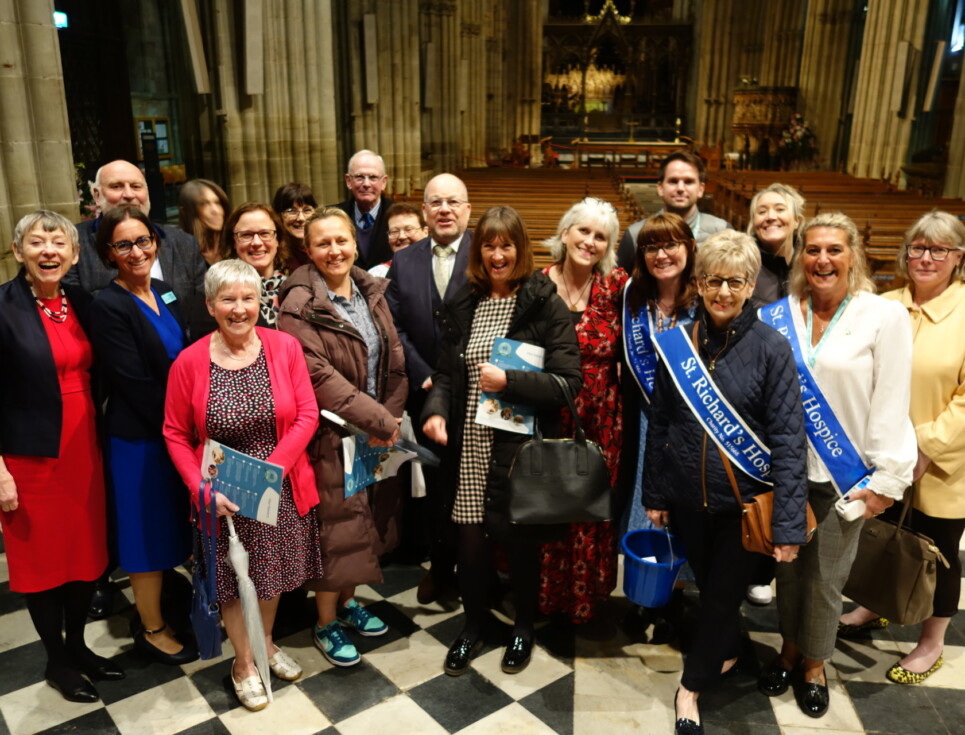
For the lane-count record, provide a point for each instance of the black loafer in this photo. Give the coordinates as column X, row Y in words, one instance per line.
column 683, row 726
column 775, row 680
column 72, row 686
column 97, row 667
column 516, row 657
column 101, row 603
column 459, row 655
column 813, row 699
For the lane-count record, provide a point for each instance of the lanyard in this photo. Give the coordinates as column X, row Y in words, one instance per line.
column 812, row 354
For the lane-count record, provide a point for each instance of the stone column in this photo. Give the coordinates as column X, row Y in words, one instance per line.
column 36, row 163
column 496, row 127
column 522, row 66
column 955, row 173
column 782, row 33
column 879, row 137
column 440, row 116
column 472, row 83
column 718, row 70
column 824, row 62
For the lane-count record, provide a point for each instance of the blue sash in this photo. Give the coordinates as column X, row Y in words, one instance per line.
column 723, row 424
column 826, row 435
column 638, row 343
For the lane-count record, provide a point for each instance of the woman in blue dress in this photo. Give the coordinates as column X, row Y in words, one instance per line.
column 136, row 330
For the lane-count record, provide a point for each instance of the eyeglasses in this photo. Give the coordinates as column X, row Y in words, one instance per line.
column 714, row 283
column 407, row 231
column 436, row 204
column 124, row 247
column 668, row 247
column 938, row 252
column 362, row 178
column 293, row 212
column 246, row 238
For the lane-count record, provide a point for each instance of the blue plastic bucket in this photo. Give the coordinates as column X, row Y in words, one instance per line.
column 651, row 563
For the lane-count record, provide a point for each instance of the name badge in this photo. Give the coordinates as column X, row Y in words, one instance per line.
column 168, row 297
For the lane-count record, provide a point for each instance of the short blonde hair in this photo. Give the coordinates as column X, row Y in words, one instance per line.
column 50, row 222
column 728, row 250
column 588, row 210
column 934, row 227
column 229, row 272
column 859, row 275
column 794, row 201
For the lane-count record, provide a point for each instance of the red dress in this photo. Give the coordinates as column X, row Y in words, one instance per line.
column 58, row 533
column 581, row 571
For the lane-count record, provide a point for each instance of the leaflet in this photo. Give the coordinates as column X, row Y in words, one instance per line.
column 493, row 410
column 252, row 484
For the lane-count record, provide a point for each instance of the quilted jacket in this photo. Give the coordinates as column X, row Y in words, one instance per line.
column 755, row 371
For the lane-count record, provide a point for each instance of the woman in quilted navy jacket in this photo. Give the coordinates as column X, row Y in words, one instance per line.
column 686, row 482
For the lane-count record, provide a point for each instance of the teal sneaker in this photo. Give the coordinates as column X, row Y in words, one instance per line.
column 335, row 645
column 355, row 616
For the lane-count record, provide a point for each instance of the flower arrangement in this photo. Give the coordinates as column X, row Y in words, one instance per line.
column 88, row 210
column 797, row 143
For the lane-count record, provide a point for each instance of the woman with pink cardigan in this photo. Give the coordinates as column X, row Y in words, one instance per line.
column 248, row 388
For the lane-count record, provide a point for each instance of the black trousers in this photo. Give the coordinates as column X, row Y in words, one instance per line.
column 722, row 571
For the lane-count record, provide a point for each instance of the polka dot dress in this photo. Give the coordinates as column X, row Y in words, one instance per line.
column 241, row 414
column 490, row 321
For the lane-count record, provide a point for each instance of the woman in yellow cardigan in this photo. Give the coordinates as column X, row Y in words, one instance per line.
column 933, row 262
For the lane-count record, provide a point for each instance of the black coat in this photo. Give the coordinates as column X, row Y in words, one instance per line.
column 134, row 362
column 755, row 372
column 541, row 318
column 772, row 280
column 31, row 408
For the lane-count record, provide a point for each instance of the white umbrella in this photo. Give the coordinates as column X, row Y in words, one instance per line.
column 238, row 559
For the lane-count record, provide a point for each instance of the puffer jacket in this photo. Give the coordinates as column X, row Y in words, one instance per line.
column 754, row 370
column 541, row 318
column 337, row 364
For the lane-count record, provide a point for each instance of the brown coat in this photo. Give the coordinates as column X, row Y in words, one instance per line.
column 337, row 363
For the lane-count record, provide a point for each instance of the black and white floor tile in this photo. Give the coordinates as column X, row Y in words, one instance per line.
column 609, row 677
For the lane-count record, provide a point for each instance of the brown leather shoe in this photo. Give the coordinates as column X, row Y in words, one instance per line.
column 431, row 588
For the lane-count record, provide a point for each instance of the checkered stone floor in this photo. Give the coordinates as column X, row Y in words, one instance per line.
column 608, row 677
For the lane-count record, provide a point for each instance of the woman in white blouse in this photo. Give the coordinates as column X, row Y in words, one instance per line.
column 857, row 347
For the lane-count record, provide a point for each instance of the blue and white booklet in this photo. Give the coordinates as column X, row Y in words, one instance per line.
column 252, row 484
column 493, row 410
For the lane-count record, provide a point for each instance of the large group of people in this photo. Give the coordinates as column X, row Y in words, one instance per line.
column 706, row 363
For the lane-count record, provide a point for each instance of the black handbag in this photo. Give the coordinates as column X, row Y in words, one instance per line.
column 205, row 612
column 894, row 571
column 559, row 480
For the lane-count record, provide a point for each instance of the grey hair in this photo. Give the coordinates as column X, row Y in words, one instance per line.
column 794, row 201
column 859, row 275
column 589, row 210
column 728, row 250
column 359, row 154
column 50, row 222
column 934, row 227
column 229, row 272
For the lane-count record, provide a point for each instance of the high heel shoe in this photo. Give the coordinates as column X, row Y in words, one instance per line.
column 683, row 726
column 186, row 655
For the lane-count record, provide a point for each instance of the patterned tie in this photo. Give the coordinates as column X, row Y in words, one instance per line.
column 367, row 221
column 440, row 269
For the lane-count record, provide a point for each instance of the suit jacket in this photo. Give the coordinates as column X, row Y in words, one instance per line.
column 379, row 250
column 31, row 408
column 415, row 304
column 134, row 361
column 179, row 255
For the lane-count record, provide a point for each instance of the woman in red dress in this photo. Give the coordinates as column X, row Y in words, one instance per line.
column 52, row 505
column 580, row 571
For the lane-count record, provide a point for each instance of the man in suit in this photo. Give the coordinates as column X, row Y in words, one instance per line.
column 178, row 263
column 681, row 185
column 367, row 207
column 421, row 276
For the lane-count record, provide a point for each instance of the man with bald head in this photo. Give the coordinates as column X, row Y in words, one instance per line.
column 367, row 205
column 178, row 263
column 421, row 277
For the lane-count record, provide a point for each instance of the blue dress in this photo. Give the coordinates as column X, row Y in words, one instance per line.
column 151, row 512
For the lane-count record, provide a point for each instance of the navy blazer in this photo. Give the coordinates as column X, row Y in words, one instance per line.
column 415, row 303
column 134, row 361
column 379, row 250
column 31, row 408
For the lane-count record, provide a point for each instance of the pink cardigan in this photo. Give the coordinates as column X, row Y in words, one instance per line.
column 296, row 415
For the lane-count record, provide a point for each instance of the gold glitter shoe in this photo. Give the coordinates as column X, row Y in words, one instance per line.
column 900, row 675
column 846, row 630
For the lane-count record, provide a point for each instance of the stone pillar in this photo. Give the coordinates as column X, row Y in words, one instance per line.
column 472, row 83
column 36, row 163
column 440, row 116
column 879, row 137
column 497, row 131
column 288, row 133
column 782, row 33
column 824, row 62
column 522, row 65
column 955, row 173
column 718, row 71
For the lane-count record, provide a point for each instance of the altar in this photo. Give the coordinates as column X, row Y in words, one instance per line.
column 623, row 153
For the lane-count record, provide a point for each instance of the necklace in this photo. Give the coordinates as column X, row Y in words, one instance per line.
column 660, row 317
column 227, row 353
column 571, row 303
column 61, row 316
